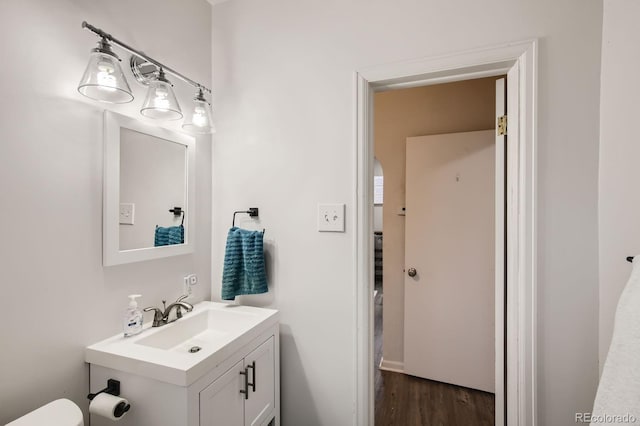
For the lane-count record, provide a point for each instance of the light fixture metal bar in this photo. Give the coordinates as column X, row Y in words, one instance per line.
column 133, row 51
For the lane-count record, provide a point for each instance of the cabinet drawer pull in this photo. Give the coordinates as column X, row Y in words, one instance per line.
column 253, row 374
column 245, row 391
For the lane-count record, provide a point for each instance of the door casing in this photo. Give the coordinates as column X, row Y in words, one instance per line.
column 519, row 61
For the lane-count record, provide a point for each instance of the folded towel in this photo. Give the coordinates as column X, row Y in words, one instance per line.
column 619, row 389
column 169, row 236
column 244, row 271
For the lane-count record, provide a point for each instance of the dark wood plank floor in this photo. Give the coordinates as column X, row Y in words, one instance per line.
column 402, row 400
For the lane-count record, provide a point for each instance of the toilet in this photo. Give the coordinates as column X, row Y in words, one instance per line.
column 60, row 412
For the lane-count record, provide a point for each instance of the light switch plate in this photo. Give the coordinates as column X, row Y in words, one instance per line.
column 127, row 212
column 331, row 217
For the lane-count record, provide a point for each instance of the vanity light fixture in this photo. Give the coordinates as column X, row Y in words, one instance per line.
column 199, row 118
column 104, row 81
column 161, row 102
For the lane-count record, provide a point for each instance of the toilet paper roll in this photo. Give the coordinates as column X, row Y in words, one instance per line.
column 110, row 406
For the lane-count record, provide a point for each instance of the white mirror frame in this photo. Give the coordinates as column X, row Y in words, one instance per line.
column 111, row 253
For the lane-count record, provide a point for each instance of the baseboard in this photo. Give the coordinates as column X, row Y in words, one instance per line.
column 395, row 366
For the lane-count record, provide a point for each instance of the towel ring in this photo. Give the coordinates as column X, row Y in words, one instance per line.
column 177, row 211
column 252, row 212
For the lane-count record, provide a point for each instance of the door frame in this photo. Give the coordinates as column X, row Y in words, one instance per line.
column 518, row 60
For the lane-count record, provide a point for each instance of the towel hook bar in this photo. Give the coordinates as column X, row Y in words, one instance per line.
column 252, row 212
column 630, row 259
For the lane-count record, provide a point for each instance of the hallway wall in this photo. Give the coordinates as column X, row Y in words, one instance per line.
column 429, row 110
column 445, row 108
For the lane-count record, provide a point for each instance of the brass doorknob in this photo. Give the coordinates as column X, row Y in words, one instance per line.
column 412, row 272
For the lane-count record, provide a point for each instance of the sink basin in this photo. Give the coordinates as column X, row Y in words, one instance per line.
column 202, row 329
column 182, row 351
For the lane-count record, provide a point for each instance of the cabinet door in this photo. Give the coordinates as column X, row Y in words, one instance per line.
column 261, row 369
column 221, row 403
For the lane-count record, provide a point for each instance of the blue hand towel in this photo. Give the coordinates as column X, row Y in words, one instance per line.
column 169, row 236
column 244, row 271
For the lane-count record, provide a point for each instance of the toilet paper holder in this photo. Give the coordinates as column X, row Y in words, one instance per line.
column 113, row 388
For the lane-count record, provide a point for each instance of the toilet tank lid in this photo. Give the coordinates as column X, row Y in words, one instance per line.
column 61, row 412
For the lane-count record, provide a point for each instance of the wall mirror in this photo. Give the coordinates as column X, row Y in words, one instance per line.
column 149, row 191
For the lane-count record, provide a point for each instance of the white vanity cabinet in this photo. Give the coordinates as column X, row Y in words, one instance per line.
column 245, row 394
column 234, row 380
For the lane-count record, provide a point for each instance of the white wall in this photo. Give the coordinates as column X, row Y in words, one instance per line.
column 619, row 204
column 283, row 74
column 56, row 296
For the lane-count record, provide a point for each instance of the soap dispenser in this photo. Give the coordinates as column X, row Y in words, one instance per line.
column 132, row 317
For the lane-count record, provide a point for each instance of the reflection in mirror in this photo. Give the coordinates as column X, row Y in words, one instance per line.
column 149, row 191
column 152, row 182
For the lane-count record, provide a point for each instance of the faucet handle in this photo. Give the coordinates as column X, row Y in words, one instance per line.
column 188, row 306
column 157, row 315
column 157, row 312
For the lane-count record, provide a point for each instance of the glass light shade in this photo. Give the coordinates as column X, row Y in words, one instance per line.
column 199, row 118
column 161, row 102
column 103, row 79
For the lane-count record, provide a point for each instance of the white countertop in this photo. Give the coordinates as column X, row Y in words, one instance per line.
column 162, row 353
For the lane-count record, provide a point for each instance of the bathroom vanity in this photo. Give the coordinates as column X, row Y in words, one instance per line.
column 216, row 366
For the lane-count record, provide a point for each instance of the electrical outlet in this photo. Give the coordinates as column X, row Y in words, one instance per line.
column 331, row 217
column 189, row 280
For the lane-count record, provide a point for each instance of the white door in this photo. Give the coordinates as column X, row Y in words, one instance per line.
column 221, row 403
column 261, row 370
column 449, row 259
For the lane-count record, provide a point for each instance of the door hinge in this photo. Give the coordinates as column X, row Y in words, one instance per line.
column 502, row 125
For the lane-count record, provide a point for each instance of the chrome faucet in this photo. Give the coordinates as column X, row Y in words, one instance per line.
column 161, row 317
column 178, row 304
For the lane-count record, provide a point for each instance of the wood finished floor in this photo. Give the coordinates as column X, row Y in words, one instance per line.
column 402, row 400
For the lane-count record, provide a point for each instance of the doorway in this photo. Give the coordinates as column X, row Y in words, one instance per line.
column 446, row 181
column 518, row 61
